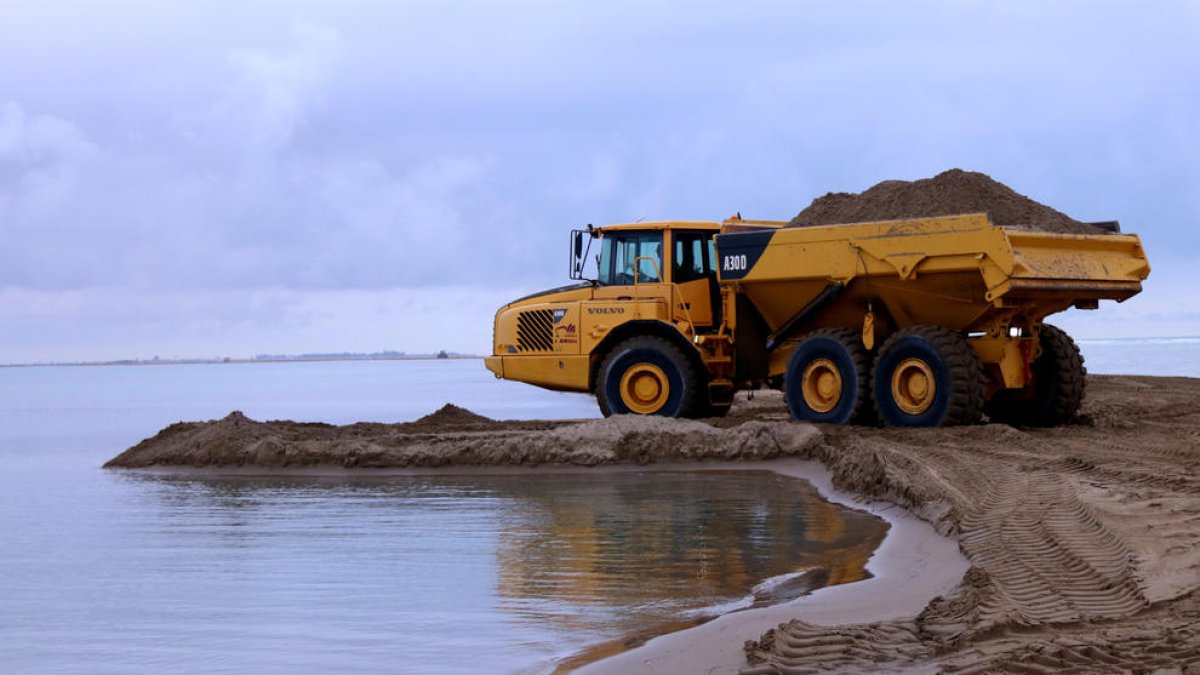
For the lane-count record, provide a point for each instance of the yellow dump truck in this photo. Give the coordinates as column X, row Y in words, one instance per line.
column 917, row 322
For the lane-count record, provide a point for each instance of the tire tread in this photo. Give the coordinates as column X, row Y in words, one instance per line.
column 853, row 345
column 687, row 372
column 966, row 371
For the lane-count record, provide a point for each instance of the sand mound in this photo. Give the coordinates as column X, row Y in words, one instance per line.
column 452, row 436
column 950, row 192
column 451, row 416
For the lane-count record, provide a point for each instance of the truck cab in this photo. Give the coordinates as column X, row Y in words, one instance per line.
column 654, row 296
column 671, row 262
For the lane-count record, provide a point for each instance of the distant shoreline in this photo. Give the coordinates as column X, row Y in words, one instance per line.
column 222, row 361
column 400, row 356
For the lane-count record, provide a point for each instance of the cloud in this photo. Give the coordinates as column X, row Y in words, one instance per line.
column 234, row 197
column 41, row 157
column 274, row 91
column 178, row 150
column 33, row 140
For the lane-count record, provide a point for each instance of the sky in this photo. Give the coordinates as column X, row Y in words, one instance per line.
column 190, row 178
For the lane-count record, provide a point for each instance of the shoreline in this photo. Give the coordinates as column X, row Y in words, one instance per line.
column 236, row 361
column 913, row 565
column 1083, row 541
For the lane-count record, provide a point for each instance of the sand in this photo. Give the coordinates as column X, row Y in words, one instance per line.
column 948, row 193
column 450, row 438
column 913, row 564
column 1078, row 547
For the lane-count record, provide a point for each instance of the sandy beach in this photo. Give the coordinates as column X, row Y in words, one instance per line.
column 1071, row 549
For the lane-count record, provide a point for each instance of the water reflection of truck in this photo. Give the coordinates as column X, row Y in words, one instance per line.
column 919, row 322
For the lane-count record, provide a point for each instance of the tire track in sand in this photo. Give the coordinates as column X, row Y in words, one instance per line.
column 1041, row 557
column 1050, row 559
column 1164, row 641
column 808, row 648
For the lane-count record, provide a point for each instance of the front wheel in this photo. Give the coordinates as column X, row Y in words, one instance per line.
column 647, row 376
column 927, row 376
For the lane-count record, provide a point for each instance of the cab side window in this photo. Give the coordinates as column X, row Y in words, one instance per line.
column 693, row 256
column 626, row 255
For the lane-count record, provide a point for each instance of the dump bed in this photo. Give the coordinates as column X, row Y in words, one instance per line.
column 960, row 272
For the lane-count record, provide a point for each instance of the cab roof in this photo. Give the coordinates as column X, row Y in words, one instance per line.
column 728, row 225
column 664, row 225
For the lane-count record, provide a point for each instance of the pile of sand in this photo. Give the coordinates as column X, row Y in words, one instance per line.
column 948, row 193
column 454, row 436
column 451, row 416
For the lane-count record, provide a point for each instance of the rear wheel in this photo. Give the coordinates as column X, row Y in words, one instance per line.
column 828, row 377
column 927, row 376
column 1056, row 391
column 647, row 376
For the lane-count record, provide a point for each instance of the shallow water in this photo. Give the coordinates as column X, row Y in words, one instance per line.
column 111, row 571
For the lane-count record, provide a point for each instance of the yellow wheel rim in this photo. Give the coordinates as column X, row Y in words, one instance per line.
column 821, row 385
column 913, row 386
column 644, row 388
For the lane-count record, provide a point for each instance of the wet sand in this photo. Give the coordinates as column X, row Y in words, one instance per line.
column 912, row 565
column 1078, row 548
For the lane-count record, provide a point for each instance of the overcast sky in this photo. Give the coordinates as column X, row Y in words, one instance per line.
column 188, row 178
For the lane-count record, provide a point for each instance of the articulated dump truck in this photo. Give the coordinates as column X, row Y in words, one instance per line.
column 918, row 322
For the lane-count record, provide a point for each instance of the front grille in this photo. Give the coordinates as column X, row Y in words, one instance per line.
column 535, row 331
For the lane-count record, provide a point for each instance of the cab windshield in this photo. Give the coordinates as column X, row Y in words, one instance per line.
column 626, row 255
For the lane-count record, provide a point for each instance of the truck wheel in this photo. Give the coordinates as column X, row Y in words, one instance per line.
column 828, row 377
column 927, row 376
column 647, row 376
column 1056, row 392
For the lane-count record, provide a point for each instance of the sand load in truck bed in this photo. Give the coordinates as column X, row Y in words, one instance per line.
column 950, row 192
column 959, row 272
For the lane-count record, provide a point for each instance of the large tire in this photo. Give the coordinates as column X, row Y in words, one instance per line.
column 647, row 376
column 1056, row 392
column 828, row 377
column 927, row 376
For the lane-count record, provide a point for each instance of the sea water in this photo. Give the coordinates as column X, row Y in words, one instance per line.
column 109, row 571
column 1178, row 356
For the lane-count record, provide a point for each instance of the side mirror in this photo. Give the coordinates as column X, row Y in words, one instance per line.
column 577, row 254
